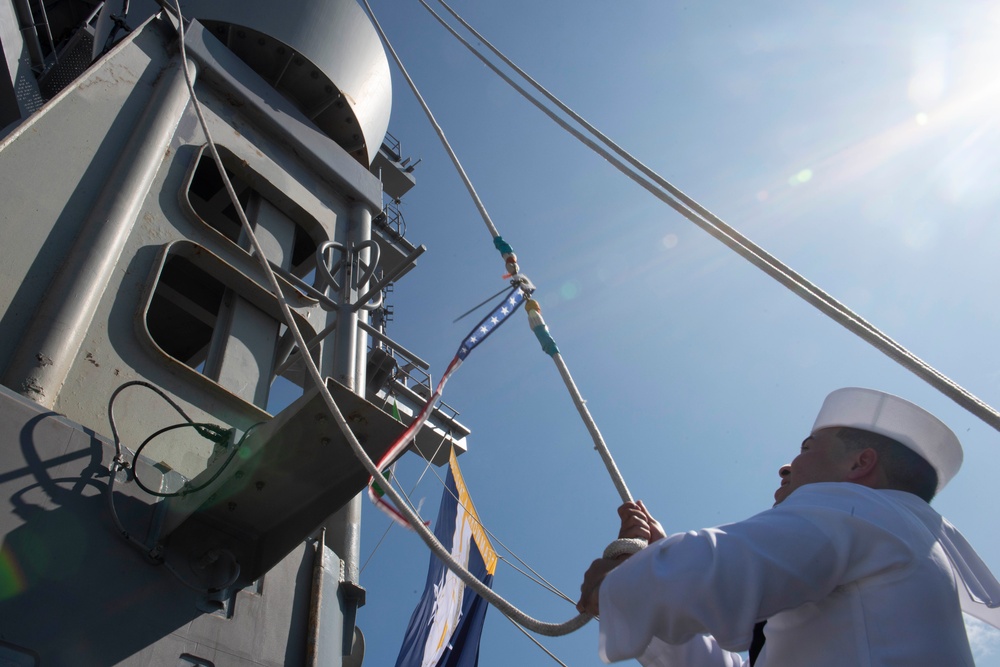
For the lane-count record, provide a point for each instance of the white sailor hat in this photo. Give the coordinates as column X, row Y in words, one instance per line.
column 896, row 418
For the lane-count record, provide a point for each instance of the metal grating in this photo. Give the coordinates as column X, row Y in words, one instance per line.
column 73, row 61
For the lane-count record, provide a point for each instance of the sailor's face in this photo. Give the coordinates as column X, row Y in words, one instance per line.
column 822, row 458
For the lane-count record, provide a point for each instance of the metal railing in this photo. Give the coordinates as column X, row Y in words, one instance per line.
column 391, row 219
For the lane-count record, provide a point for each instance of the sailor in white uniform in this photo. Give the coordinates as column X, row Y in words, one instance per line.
column 851, row 567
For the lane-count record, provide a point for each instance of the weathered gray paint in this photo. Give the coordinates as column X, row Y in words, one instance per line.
column 84, row 597
column 41, row 363
column 277, row 116
column 113, row 154
column 338, row 40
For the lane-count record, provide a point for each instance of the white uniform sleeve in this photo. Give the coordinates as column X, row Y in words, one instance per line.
column 702, row 651
column 721, row 581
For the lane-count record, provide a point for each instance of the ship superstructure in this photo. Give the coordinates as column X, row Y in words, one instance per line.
column 138, row 333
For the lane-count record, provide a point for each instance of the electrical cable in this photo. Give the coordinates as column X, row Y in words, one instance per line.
column 212, row 432
column 187, row 490
column 118, row 463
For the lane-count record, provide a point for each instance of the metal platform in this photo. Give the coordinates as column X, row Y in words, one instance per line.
column 288, row 476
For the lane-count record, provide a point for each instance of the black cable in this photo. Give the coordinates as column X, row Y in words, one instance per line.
column 212, row 432
column 151, row 387
column 119, row 463
column 189, row 489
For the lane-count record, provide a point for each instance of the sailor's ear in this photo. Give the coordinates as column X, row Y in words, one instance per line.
column 864, row 462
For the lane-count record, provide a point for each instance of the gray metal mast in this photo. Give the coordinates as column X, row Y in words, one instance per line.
column 127, row 290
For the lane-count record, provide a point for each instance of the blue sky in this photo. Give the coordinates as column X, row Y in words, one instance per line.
column 857, row 142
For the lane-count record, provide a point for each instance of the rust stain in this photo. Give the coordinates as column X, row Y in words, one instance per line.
column 31, row 386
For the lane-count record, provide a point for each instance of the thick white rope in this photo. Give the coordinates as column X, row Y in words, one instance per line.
column 470, row 580
column 581, row 405
column 533, row 576
column 484, row 214
column 693, row 211
column 595, row 433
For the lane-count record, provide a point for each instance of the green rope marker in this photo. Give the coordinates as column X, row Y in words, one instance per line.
column 502, row 246
column 545, row 338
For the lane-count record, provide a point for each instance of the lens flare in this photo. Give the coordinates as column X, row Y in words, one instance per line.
column 12, row 579
column 804, row 176
column 569, row 291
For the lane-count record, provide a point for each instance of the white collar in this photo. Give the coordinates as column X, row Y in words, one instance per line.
column 980, row 592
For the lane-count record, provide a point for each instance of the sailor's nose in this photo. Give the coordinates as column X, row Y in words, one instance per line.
column 784, row 471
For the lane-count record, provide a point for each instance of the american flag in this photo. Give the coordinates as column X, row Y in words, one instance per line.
column 489, row 323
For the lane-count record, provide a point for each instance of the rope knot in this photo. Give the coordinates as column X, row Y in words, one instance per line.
column 625, row 546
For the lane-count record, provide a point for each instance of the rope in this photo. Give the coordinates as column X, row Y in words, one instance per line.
column 539, row 644
column 531, row 574
column 709, row 222
column 388, row 480
column 435, row 546
column 537, row 578
column 437, row 128
column 510, row 259
column 537, row 325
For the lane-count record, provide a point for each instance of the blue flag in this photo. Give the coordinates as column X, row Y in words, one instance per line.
column 445, row 627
